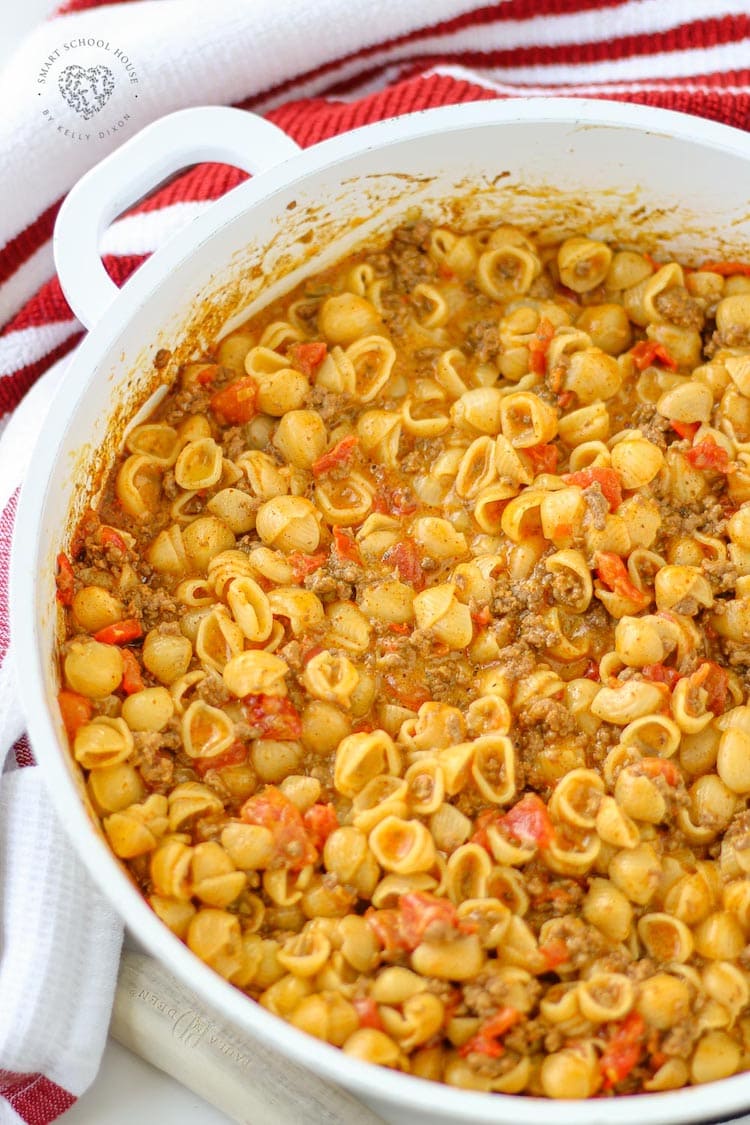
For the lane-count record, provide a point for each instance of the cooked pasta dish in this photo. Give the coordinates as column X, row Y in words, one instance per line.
column 407, row 653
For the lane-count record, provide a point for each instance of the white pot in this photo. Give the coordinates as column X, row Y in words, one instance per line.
column 625, row 172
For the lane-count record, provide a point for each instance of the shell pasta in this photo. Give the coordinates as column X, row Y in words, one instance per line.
column 407, row 655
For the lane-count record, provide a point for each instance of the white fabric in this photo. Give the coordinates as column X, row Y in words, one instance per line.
column 61, row 944
column 59, row 940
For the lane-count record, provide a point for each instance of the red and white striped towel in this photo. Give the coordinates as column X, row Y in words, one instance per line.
column 315, row 69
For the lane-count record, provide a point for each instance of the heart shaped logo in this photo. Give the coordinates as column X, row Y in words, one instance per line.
column 86, row 91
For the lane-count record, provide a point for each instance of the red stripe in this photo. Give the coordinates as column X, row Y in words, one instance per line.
column 204, row 181
column 27, row 242
column 36, row 1100
column 13, row 387
column 23, row 752
column 82, row 5
column 697, row 35
column 511, row 10
column 201, row 182
column 700, row 34
column 601, row 89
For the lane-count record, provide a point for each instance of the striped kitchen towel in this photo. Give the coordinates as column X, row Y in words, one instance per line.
column 76, row 88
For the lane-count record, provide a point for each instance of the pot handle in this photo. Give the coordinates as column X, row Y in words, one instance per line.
column 189, row 136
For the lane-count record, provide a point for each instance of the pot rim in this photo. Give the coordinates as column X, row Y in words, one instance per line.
column 723, row 1099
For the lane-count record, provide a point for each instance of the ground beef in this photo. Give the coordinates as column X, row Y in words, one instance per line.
column 192, row 399
column 425, row 360
column 169, row 485
column 517, row 660
column 678, row 1042
column 735, row 336
column 484, row 1066
column 506, row 601
column 212, row 691
column 329, row 404
column 447, row 677
column 410, row 261
column 654, row 427
column 721, row 574
column 706, row 516
column 541, row 726
column 597, row 507
column 323, row 583
column 483, row 340
column 676, row 305
column 537, row 633
column 150, row 606
column 235, row 442
column 584, row 942
column 488, row 992
column 156, row 767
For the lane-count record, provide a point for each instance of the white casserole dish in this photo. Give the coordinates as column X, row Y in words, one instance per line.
column 622, row 172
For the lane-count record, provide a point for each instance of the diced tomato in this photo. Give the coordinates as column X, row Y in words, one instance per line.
column 411, row 697
column 646, row 351
column 727, row 269
column 309, row 653
column 403, row 502
column 108, row 537
column 339, row 456
column 716, row 683
column 607, row 479
column 592, row 671
column 555, row 953
column 623, row 1050
column 345, row 547
column 543, row 457
column 485, row 820
column 401, row 628
column 320, row 821
column 539, row 345
column 276, row 716
column 302, row 565
column 368, row 1012
column 613, row 573
column 709, row 455
column 307, row 356
column 482, row 617
column 487, row 1040
column 686, row 430
column 235, row 755
column 207, row 375
column 235, row 404
column 661, row 674
column 529, row 822
column 660, row 767
column 121, row 633
column 271, row 809
column 65, row 580
column 445, row 271
column 76, row 710
column 406, row 558
column 403, row 928
column 387, row 928
column 132, row 679
column 421, row 912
